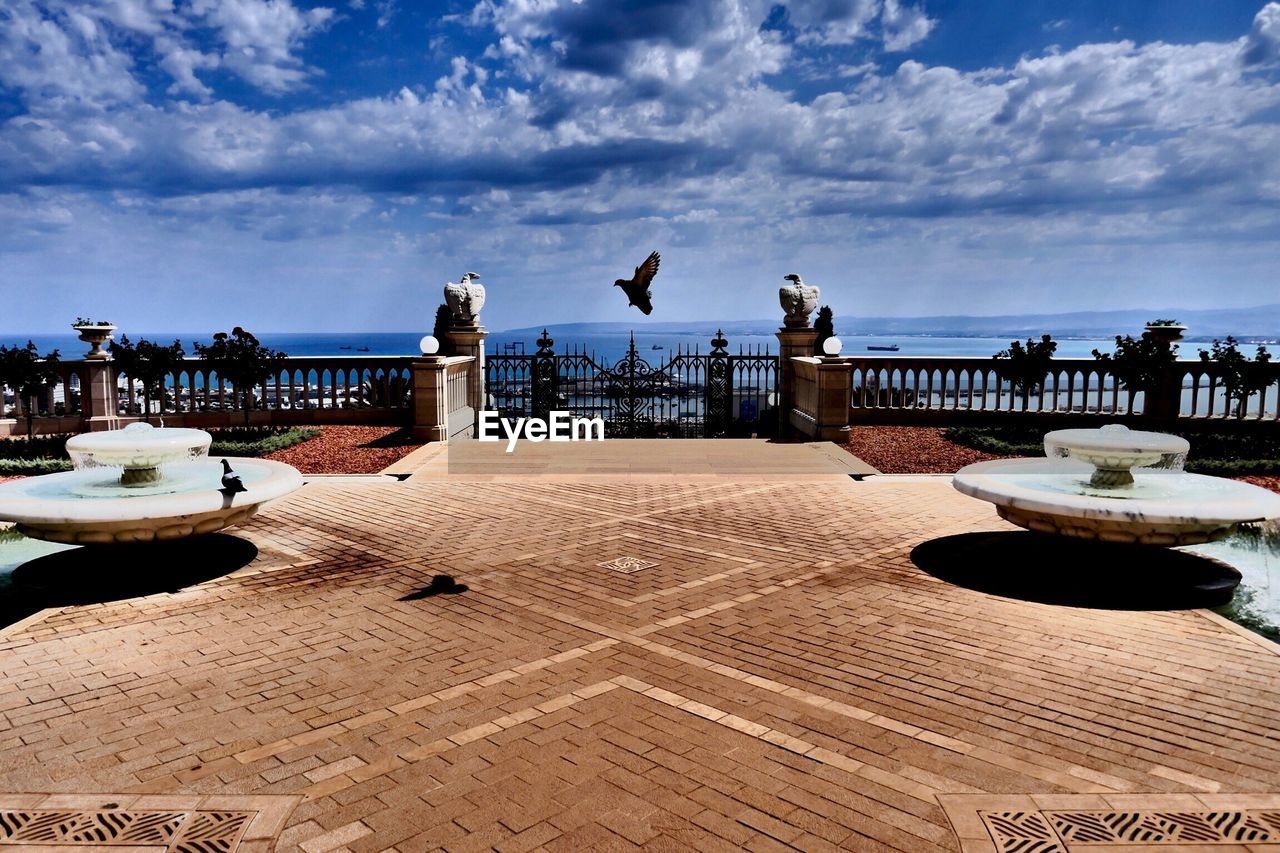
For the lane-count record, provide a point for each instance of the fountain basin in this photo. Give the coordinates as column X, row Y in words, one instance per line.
column 1160, row 507
column 140, row 449
column 92, row 507
column 1114, row 450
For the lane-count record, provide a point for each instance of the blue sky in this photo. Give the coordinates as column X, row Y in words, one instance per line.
column 302, row 166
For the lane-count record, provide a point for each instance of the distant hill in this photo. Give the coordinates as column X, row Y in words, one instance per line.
column 1258, row 323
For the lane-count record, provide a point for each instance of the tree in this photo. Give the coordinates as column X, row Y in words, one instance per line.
column 1139, row 364
column 241, row 360
column 1241, row 378
column 28, row 373
column 149, row 363
column 1025, row 366
column 824, row 325
column 444, row 319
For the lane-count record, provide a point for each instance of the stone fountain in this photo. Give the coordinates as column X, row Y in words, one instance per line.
column 140, row 484
column 1092, row 484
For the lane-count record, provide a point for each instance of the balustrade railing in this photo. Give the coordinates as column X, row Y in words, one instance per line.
column 1072, row 386
column 306, row 389
column 304, row 383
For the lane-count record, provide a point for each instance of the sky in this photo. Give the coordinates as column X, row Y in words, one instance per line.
column 296, row 166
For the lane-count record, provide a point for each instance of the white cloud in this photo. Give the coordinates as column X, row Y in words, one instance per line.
column 58, row 56
column 260, row 38
column 1262, row 47
column 584, row 128
column 904, row 26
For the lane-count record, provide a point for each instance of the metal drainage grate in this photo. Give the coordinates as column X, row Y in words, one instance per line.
column 626, row 565
column 1057, row 831
column 179, row 832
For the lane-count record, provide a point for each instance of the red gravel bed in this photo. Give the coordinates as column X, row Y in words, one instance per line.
column 910, row 450
column 923, row 450
column 1272, row 483
column 349, row 450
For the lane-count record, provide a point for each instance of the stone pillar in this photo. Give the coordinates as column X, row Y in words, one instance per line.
column 792, row 343
column 466, row 336
column 796, row 338
column 469, row 340
column 430, row 398
column 99, row 397
column 835, row 396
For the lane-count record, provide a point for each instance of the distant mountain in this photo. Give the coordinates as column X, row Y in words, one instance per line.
column 1258, row 323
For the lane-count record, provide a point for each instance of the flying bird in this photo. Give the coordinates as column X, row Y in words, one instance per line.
column 231, row 483
column 637, row 289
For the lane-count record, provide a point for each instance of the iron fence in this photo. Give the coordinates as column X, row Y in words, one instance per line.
column 689, row 394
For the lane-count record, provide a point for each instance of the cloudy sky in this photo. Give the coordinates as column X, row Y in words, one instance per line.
column 190, row 164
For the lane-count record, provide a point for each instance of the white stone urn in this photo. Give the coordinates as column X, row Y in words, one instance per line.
column 465, row 299
column 95, row 335
column 1165, row 333
column 799, row 301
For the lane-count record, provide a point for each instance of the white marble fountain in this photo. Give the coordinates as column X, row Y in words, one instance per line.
column 1092, row 484
column 140, row 484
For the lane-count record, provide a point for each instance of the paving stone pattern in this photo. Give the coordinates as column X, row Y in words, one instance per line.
column 780, row 676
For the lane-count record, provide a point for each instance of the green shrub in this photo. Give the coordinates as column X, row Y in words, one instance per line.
column 47, row 454
column 1001, row 441
column 37, row 447
column 258, row 442
column 1234, row 467
column 10, row 534
column 1217, row 453
column 32, row 467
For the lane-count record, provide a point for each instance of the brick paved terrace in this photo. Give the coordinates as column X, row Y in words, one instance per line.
column 743, row 656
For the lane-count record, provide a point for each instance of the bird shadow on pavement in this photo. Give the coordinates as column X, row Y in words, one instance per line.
column 440, row 585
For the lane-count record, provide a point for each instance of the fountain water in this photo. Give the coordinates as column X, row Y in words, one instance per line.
column 140, row 484
column 1088, row 488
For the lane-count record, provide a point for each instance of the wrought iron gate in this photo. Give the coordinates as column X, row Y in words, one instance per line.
column 691, row 394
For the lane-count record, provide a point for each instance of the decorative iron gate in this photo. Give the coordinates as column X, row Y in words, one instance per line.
column 692, row 394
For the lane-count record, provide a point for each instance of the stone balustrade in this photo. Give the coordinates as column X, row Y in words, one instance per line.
column 92, row 395
column 926, row 390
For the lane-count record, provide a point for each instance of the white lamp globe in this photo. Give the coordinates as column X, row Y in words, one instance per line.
column 429, row 345
column 832, row 345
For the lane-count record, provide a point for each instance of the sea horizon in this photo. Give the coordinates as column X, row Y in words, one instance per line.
column 609, row 346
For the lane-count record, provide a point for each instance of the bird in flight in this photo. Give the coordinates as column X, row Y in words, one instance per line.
column 637, row 289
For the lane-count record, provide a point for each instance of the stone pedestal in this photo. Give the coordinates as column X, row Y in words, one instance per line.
column 793, row 342
column 99, row 398
column 469, row 341
column 835, row 396
column 430, row 398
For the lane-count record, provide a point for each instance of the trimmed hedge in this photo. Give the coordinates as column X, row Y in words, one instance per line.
column 1221, row 454
column 47, row 454
column 1001, row 441
column 32, row 467
column 258, row 442
column 38, row 447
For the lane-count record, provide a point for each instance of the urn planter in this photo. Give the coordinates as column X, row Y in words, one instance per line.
column 96, row 335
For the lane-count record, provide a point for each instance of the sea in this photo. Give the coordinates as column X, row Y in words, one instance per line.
column 607, row 347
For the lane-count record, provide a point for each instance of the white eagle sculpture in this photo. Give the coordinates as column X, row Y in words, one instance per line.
column 798, row 300
column 465, row 299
